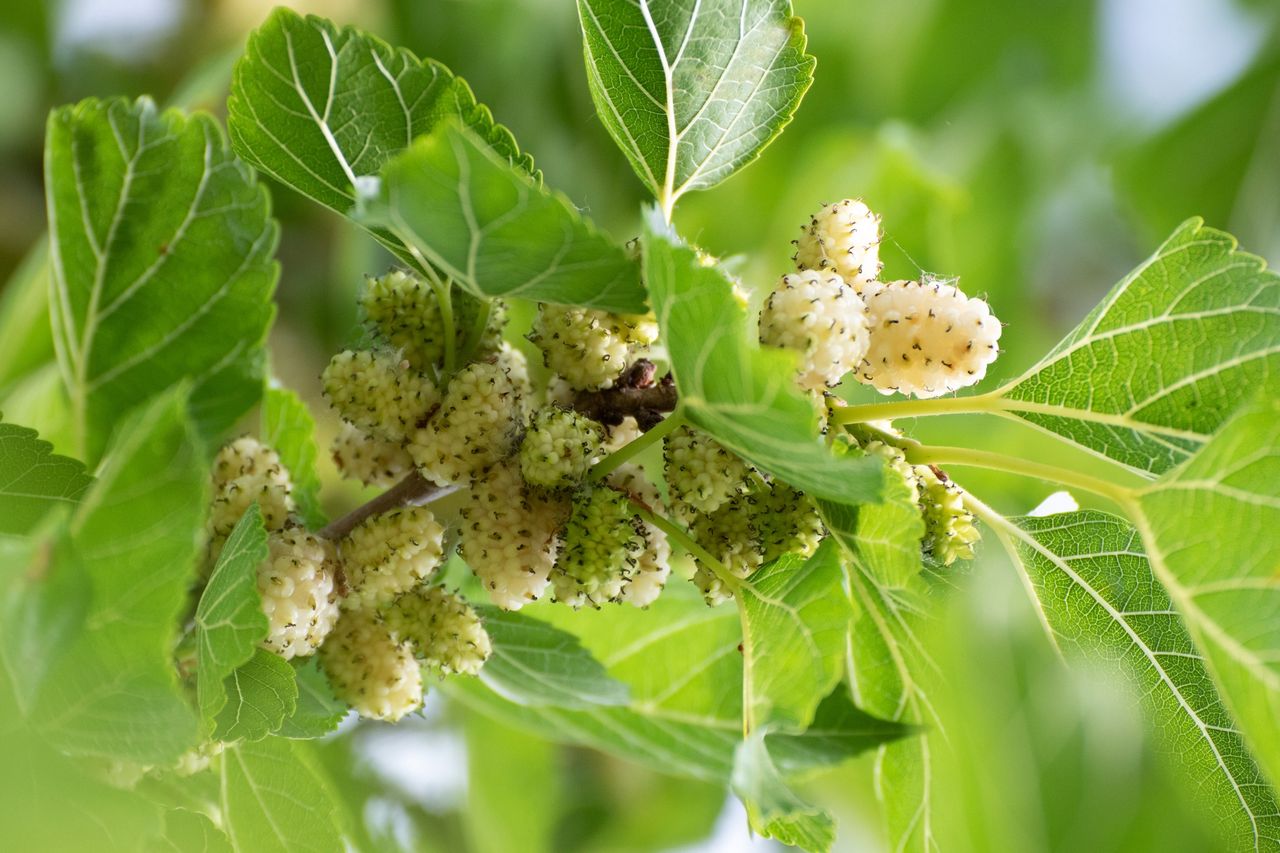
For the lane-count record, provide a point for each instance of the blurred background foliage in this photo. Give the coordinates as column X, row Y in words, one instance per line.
column 1037, row 149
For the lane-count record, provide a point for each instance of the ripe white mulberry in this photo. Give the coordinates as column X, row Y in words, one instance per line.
column 622, row 434
column 845, row 238
column 508, row 535
column 475, row 426
column 390, row 553
column 444, row 631
column 379, row 393
column 653, row 562
column 818, row 315
column 949, row 530
column 403, row 310
column 731, row 535
column 927, row 338
column 243, row 472
column 559, row 447
column 299, row 593
column 369, row 459
column 701, row 473
column 588, row 347
column 369, row 670
column 601, row 544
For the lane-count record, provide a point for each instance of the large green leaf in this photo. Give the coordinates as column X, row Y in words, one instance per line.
column 273, row 799
column 1165, row 359
column 261, row 695
column 318, row 107
column 1210, row 531
column 289, row 429
column 161, row 248
column 494, row 230
column 742, row 394
column 693, row 90
column 230, row 622
column 1097, row 594
column 795, row 625
column 536, row 664
column 34, row 480
column 134, row 542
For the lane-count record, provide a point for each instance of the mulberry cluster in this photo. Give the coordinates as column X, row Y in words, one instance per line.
column 371, row 460
column 653, row 562
column 299, row 593
column 444, row 631
column 403, row 310
column 389, row 554
column 601, row 545
column 588, row 347
column 949, row 530
column 379, row 393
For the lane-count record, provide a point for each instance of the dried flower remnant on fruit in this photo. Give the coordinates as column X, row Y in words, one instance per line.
column 508, row 535
column 475, row 427
column 843, row 238
column 701, row 473
column 653, row 561
column 927, row 338
column 444, row 631
column 389, row 554
column 371, row 460
column 559, row 447
column 949, row 529
column 819, row 316
column 299, row 592
column 590, row 348
column 369, row 670
column 379, row 393
column 601, row 545
column 245, row 471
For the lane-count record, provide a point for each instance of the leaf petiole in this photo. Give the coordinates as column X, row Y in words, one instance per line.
column 925, row 455
column 677, row 534
column 631, row 449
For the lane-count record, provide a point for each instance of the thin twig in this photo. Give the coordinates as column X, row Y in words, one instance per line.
column 413, row 490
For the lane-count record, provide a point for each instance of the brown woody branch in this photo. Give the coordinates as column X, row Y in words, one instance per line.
column 413, row 490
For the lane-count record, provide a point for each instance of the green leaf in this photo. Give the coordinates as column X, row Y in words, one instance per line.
column 1098, row 596
column 230, row 622
column 318, row 712
column 161, row 248
column 795, row 625
column 1165, row 359
column 536, row 664
column 261, row 695
column 34, row 480
column 190, row 832
column 287, row 427
column 776, row 811
column 317, row 107
column 115, row 693
column 742, row 394
column 1210, row 531
column 275, row 800
column 515, row 775
column 26, row 341
column 497, row 232
column 693, row 90
column 839, row 731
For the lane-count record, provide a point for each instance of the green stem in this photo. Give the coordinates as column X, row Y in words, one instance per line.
column 915, row 408
column 925, row 455
column 628, row 451
column 677, row 534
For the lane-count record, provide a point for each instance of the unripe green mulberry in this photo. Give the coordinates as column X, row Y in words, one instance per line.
column 844, row 238
column 379, row 393
column 701, row 474
column 508, row 535
column 895, row 463
column 559, row 447
column 390, row 553
column 475, row 426
column 653, row 562
column 731, row 535
column 949, row 531
column 588, row 347
column 787, row 521
column 243, row 472
column 444, row 631
column 403, row 310
column 369, row 670
column 601, row 544
column 371, row 460
column 299, row 593
column 819, row 316
column 927, row 338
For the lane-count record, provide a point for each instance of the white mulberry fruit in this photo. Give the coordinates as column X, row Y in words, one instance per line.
column 243, row 472
column 369, row 670
column 653, row 562
column 508, row 535
column 299, row 593
column 927, row 338
column 444, row 631
column 589, row 348
column 390, row 553
column 819, row 316
column 949, row 529
column 601, row 544
column 559, row 447
column 701, row 473
column 845, row 238
column 475, row 426
column 369, row 459
column 403, row 310
column 621, row 434
column 379, row 393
